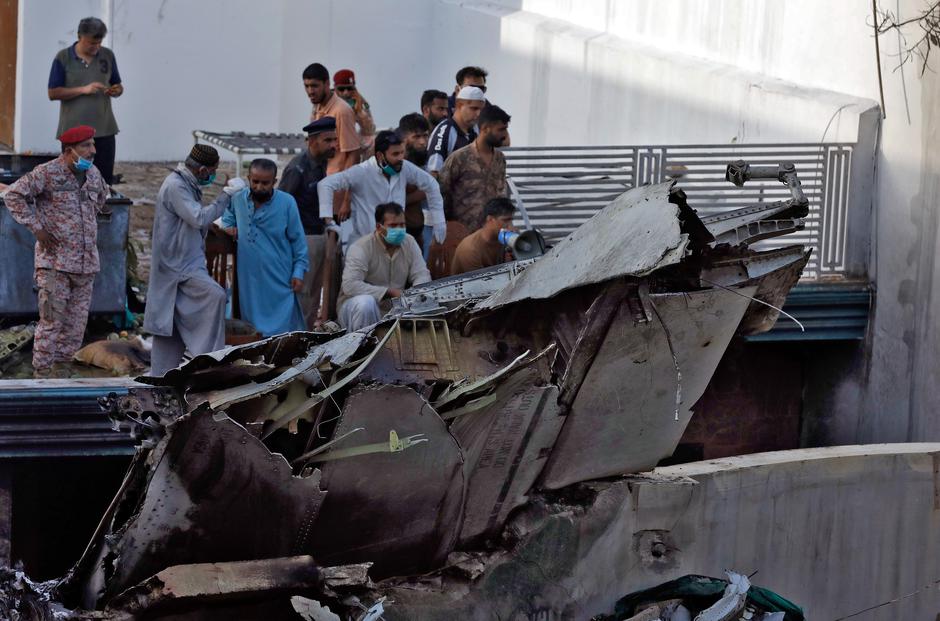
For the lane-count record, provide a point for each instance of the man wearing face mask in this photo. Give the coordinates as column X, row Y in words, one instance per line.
column 272, row 252
column 476, row 174
column 382, row 178
column 186, row 307
column 378, row 268
column 59, row 201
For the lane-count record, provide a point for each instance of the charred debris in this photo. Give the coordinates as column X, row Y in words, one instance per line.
column 414, row 440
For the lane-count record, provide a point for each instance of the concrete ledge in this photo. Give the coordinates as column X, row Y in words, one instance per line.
column 773, row 458
column 836, row 530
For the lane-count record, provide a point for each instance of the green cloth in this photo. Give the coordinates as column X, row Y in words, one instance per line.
column 701, row 592
column 94, row 110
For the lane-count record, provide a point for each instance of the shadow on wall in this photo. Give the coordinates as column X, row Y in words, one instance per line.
column 777, row 396
column 574, row 86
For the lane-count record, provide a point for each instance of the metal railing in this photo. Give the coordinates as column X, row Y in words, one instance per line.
column 561, row 187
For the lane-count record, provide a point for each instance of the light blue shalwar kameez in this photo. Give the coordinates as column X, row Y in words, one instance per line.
column 272, row 249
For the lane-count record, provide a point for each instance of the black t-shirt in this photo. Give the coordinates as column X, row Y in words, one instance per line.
column 446, row 138
column 300, row 180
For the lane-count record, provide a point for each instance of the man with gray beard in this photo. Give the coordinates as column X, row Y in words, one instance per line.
column 185, row 306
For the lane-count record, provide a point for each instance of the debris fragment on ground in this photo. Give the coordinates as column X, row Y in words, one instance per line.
column 121, row 356
column 705, row 599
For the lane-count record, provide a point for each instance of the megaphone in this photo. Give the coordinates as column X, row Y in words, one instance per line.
column 524, row 245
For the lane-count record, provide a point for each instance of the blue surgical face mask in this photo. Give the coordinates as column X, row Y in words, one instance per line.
column 388, row 170
column 82, row 164
column 208, row 180
column 395, row 235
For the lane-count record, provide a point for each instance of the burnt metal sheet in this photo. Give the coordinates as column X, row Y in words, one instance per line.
column 304, row 409
column 461, row 392
column 417, row 350
column 280, row 350
column 201, row 584
column 418, row 356
column 597, row 321
column 772, row 289
column 399, row 510
column 506, row 445
column 430, row 297
column 740, row 268
column 213, row 493
column 775, row 272
column 338, row 352
column 636, row 234
column 623, row 418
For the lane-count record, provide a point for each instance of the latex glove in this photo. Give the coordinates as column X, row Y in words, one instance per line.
column 234, row 186
column 440, row 232
column 331, row 226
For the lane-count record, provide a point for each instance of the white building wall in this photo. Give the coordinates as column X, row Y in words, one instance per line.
column 185, row 65
column 236, row 65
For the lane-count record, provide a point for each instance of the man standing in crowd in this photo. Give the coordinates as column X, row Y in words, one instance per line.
column 382, row 179
column 474, row 175
column 457, row 131
column 413, row 129
column 59, row 202
column 344, row 85
column 378, row 268
column 327, row 103
column 483, row 248
column 186, row 307
column 84, row 77
column 272, row 252
column 467, row 76
column 300, row 180
column 434, row 106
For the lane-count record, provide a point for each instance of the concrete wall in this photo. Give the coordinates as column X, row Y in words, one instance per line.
column 236, row 65
column 836, row 531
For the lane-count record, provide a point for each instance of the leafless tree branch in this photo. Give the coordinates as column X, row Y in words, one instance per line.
column 918, row 44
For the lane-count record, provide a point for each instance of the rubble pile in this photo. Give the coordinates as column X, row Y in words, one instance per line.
column 411, row 444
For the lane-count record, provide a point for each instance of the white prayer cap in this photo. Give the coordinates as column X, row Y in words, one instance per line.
column 472, row 93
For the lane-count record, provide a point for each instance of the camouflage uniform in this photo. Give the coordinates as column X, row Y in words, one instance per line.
column 50, row 198
column 467, row 184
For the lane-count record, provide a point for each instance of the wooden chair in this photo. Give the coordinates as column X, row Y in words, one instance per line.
column 441, row 256
column 220, row 253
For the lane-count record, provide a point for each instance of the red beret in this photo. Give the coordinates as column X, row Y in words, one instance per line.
column 79, row 133
column 344, row 77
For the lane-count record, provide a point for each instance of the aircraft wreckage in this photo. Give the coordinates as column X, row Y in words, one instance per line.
column 405, row 442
